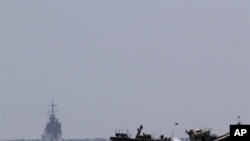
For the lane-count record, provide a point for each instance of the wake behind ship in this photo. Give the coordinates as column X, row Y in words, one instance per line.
column 52, row 131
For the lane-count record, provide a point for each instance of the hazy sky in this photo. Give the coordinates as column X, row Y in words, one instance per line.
column 112, row 64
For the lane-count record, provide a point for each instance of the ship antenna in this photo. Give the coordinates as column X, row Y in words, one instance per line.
column 52, row 107
column 239, row 122
column 172, row 138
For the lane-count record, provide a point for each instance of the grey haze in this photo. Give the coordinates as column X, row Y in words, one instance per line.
column 118, row 64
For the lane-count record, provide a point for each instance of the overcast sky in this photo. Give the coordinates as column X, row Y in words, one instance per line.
column 118, row 64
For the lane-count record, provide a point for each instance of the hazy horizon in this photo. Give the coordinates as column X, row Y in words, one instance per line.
column 117, row 64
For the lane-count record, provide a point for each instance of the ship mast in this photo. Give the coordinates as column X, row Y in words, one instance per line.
column 52, row 111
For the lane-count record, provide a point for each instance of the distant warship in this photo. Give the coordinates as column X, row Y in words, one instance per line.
column 144, row 137
column 52, row 130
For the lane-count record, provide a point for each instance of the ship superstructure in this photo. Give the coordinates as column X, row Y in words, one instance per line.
column 52, row 131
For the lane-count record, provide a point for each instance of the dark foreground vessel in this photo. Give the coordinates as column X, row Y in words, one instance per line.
column 52, row 130
column 205, row 135
column 144, row 137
